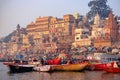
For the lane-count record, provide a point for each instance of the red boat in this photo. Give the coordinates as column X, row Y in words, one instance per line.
column 102, row 66
column 99, row 61
column 112, row 70
column 112, row 67
column 96, row 66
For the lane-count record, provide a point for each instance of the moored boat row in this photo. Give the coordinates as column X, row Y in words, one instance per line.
column 113, row 67
column 56, row 65
column 18, row 67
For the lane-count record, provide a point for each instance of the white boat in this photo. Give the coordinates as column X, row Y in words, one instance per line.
column 44, row 68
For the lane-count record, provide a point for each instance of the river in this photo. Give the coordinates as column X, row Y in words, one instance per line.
column 85, row 75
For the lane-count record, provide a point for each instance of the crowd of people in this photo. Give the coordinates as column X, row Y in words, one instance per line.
column 81, row 51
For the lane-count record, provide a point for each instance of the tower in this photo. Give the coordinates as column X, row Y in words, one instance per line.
column 18, row 35
column 18, row 31
column 111, row 28
column 97, row 20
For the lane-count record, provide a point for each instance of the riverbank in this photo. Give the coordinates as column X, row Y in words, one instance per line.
column 86, row 75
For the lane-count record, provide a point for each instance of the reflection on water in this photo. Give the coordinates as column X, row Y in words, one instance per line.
column 63, row 76
column 110, row 76
column 47, row 76
column 86, row 75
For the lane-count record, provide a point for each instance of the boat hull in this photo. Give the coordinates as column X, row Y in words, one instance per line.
column 45, row 68
column 112, row 67
column 96, row 66
column 69, row 67
column 112, row 70
column 20, row 68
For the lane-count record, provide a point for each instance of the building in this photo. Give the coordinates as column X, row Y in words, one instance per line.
column 110, row 33
column 97, row 28
column 52, row 30
column 111, row 28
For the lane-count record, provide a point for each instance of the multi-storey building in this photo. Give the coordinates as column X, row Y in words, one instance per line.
column 51, row 33
column 82, row 33
column 52, row 30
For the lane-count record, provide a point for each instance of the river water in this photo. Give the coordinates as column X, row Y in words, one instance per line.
column 85, row 75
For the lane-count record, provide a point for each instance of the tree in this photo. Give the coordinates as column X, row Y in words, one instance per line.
column 100, row 7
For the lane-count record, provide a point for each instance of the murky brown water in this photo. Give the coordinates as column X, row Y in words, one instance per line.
column 86, row 75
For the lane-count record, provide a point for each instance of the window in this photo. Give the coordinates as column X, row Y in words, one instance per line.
column 77, row 38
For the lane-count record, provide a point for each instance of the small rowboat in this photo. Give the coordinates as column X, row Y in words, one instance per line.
column 44, row 68
column 70, row 67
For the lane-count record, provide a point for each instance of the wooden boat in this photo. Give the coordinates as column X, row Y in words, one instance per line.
column 108, row 67
column 96, row 66
column 70, row 67
column 20, row 67
column 44, row 68
column 112, row 70
column 112, row 67
column 99, row 60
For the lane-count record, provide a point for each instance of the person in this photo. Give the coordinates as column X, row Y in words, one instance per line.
column 21, row 61
column 115, row 65
column 68, row 62
column 118, row 63
column 42, row 61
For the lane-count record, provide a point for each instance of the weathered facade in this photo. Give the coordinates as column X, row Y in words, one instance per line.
column 51, row 33
column 111, row 33
column 52, row 30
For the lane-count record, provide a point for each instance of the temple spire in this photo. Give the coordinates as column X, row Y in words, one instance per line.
column 18, row 30
column 86, row 19
column 97, row 19
column 111, row 27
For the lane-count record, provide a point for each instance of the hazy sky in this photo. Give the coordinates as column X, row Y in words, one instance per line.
column 13, row 12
